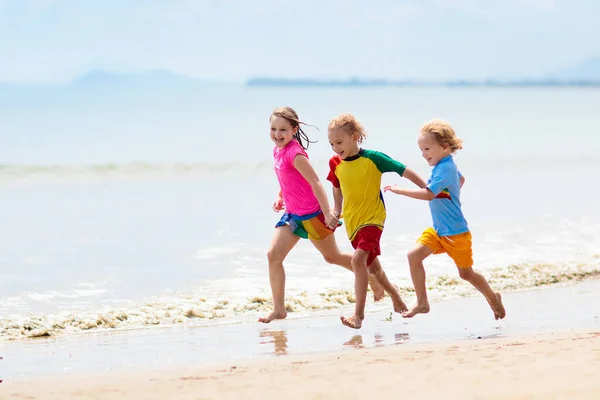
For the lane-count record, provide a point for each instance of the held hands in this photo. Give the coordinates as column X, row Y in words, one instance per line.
column 394, row 189
column 332, row 219
column 278, row 204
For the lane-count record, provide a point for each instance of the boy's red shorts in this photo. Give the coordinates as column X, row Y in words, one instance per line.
column 367, row 239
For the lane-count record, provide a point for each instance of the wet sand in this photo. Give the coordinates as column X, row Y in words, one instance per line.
column 528, row 366
column 458, row 345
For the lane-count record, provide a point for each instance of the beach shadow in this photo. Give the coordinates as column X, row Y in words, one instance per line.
column 279, row 340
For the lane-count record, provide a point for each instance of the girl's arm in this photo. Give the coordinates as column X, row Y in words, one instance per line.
column 303, row 166
column 462, row 181
column 414, row 178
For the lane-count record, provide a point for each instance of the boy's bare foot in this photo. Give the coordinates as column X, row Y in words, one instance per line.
column 378, row 292
column 273, row 315
column 416, row 309
column 498, row 307
column 353, row 322
column 399, row 305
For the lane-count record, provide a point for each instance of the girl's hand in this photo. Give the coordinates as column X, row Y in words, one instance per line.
column 394, row 189
column 331, row 220
column 278, row 204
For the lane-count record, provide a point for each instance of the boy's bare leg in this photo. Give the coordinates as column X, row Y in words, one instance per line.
column 379, row 274
column 480, row 283
column 359, row 264
column 376, row 288
column 417, row 273
column 332, row 254
column 283, row 241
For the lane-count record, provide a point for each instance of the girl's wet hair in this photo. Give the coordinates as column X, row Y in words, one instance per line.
column 349, row 124
column 443, row 133
column 291, row 116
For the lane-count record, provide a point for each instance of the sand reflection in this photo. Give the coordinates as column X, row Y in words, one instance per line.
column 278, row 338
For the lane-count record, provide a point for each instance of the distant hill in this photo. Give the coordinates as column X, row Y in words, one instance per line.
column 356, row 82
column 585, row 74
column 588, row 70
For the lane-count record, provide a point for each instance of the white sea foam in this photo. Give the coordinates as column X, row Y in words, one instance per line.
column 215, row 303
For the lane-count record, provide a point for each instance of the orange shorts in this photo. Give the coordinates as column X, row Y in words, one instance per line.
column 367, row 238
column 458, row 246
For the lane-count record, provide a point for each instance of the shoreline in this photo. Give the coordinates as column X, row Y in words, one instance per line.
column 463, row 319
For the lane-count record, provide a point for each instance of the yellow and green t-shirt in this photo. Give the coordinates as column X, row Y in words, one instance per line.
column 359, row 178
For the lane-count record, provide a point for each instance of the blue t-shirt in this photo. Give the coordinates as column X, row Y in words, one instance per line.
column 444, row 183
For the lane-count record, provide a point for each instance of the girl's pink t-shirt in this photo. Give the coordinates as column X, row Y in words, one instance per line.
column 297, row 193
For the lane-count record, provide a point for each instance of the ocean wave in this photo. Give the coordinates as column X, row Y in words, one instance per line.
column 183, row 309
column 147, row 169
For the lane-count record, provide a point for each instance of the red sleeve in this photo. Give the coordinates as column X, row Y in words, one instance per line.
column 332, row 177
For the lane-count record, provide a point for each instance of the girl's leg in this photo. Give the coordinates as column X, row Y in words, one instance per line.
column 359, row 265
column 332, row 254
column 283, row 241
column 417, row 273
column 480, row 283
column 376, row 270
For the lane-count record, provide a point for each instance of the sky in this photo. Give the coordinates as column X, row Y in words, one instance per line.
column 59, row 40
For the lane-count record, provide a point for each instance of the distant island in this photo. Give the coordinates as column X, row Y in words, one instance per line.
column 358, row 82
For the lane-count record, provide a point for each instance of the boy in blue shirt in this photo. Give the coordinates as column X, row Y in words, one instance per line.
column 450, row 233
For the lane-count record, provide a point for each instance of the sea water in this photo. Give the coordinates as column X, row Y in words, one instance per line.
column 140, row 207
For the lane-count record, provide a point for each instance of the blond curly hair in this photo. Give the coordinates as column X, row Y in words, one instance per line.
column 443, row 133
column 349, row 124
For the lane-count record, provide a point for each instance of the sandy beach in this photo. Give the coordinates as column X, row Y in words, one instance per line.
column 554, row 365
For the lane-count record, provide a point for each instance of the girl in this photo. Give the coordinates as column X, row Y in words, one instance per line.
column 307, row 211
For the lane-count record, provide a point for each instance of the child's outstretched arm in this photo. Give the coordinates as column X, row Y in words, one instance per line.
column 414, row 178
column 303, row 166
column 387, row 164
column 419, row 194
column 439, row 180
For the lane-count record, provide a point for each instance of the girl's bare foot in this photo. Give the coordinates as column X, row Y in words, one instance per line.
column 498, row 307
column 416, row 309
column 273, row 315
column 353, row 322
